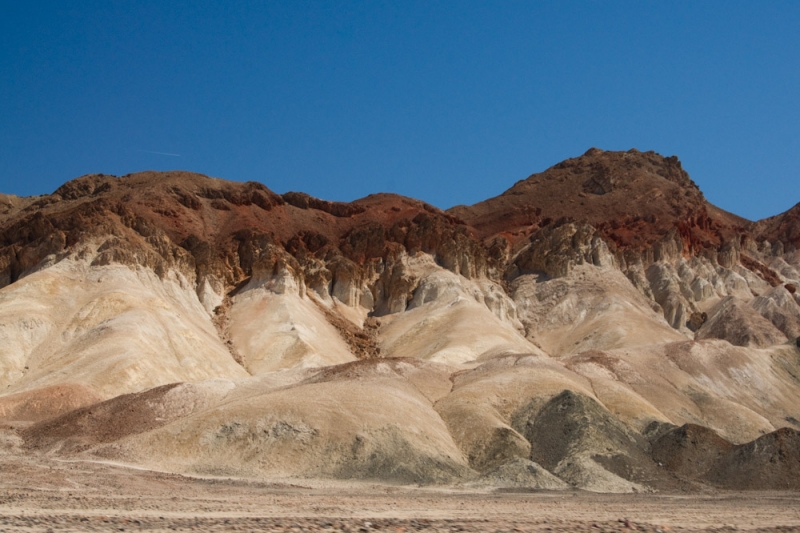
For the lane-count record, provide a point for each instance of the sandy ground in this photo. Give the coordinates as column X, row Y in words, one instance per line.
column 50, row 495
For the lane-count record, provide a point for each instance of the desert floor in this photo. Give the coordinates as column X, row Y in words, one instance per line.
column 52, row 495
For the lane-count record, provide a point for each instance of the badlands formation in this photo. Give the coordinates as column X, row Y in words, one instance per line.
column 599, row 326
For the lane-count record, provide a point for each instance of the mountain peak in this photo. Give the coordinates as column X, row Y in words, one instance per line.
column 633, row 197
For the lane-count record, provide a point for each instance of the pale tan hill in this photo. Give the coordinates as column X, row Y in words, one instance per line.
column 378, row 426
column 403, row 420
column 591, row 309
column 742, row 325
column 739, row 392
column 276, row 329
column 452, row 320
column 112, row 330
column 483, row 410
column 779, row 307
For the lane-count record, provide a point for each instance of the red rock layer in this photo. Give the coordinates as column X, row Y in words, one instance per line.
column 632, row 200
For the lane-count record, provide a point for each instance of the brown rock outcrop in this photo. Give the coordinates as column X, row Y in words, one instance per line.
column 771, row 462
column 783, row 229
column 632, row 198
column 689, row 451
column 223, row 232
column 696, row 320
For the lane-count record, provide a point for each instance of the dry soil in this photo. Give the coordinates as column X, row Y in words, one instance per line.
column 50, row 495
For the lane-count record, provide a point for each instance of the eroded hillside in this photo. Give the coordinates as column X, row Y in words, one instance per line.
column 577, row 330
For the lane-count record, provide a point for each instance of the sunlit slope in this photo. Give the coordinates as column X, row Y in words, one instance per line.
column 110, row 329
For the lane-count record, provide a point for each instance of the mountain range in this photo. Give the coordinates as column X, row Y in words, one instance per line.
column 600, row 325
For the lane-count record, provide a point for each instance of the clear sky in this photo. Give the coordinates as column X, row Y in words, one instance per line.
column 447, row 101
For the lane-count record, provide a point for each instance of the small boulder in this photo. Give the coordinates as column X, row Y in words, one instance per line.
column 696, row 320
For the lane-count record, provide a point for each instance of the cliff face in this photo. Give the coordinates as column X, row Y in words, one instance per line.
column 605, row 285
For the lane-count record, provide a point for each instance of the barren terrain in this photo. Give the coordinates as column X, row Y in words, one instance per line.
column 598, row 328
column 53, row 495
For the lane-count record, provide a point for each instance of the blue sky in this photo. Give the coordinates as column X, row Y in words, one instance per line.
column 449, row 102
